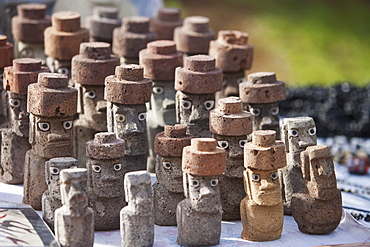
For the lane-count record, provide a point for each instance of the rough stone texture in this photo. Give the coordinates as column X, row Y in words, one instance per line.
column 74, row 221
column 172, row 140
column 59, row 66
column 317, row 210
column 6, row 52
column 105, row 146
column 165, row 22
column 51, row 199
column 297, row 133
column 194, row 35
column 136, row 219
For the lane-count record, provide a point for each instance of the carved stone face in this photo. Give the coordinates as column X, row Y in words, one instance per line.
column 263, row 187
column 140, row 196
column 299, row 135
column 230, row 85
column 52, row 171
column 169, row 173
column 322, row 184
column 73, row 195
column 234, row 147
column 15, row 106
column 266, row 116
column 163, row 103
column 57, row 66
column 30, row 50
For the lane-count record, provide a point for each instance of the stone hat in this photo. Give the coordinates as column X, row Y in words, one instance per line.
column 298, row 122
column 6, row 52
column 128, row 86
column 198, row 76
column 229, row 119
column 232, row 51
column 23, row 73
column 93, row 64
column 262, row 87
column 136, row 178
column 30, row 23
column 63, row 161
column 172, row 140
column 105, row 146
column 103, row 21
column 68, row 175
column 63, row 38
column 194, row 35
column 204, row 158
column 51, row 96
column 165, row 22
column 264, row 153
column 160, row 60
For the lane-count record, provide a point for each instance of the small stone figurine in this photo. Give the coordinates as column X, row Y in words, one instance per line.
column 160, row 60
column 126, row 93
column 199, row 214
column 51, row 199
column 169, row 189
column 106, row 171
column 262, row 210
column 74, row 221
column 131, row 37
column 15, row 131
column 233, row 55
column 28, row 30
column 261, row 94
column 51, row 104
column 89, row 69
column 137, row 226
column 230, row 126
column 318, row 210
column 197, row 83
column 297, row 133
column 165, row 22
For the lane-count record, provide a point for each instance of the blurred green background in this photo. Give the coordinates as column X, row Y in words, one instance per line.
column 306, row 42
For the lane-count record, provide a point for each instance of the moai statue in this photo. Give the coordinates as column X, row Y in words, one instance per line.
column 14, row 133
column 74, row 221
column 197, row 83
column 261, row 94
column 199, row 214
column 52, row 105
column 160, row 60
column 51, row 199
column 28, row 30
column 126, row 93
column 168, row 189
column 89, row 69
column 62, row 41
column 137, row 225
column 318, row 210
column 233, row 55
column 102, row 23
column 230, row 126
column 165, row 22
column 106, row 171
column 261, row 210
column 131, row 37
column 6, row 58
column 298, row 133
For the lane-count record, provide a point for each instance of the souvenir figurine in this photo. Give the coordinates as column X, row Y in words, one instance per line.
column 165, row 22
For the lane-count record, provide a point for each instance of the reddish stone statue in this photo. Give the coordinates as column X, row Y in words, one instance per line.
column 165, row 22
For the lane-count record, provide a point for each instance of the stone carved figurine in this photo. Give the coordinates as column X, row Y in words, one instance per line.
column 137, row 225
column 318, row 210
column 165, row 22
column 126, row 93
column 106, row 170
column 74, row 221
column 230, row 126
column 168, row 189
column 262, row 209
column 199, row 214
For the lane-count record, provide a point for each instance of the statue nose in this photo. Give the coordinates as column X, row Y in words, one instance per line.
column 101, row 105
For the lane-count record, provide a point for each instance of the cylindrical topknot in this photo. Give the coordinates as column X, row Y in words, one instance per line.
column 105, row 12
column 264, row 138
column 66, row 21
column 162, row 47
column 130, row 72
column 6, row 52
column 32, row 11
column 169, row 14
column 73, row 174
column 105, row 146
column 102, row 23
column 199, row 24
column 2, row 40
column 135, row 24
column 232, row 37
column 172, row 141
column 95, row 50
column 165, row 22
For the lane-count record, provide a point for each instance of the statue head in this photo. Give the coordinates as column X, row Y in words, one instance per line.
column 139, row 194
column 53, row 167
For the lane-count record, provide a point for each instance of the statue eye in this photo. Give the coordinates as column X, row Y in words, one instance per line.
column 117, row 167
column 293, row 133
column 275, row 110
column 186, row 104
column 274, row 175
column 255, row 177
column 209, row 104
column 63, row 70
column 14, row 102
column 141, row 116
column 96, row 168
column 67, row 125
column 166, row 165
column 120, row 118
column 214, row 182
column 255, row 111
column 223, row 144
column 224, row 82
column 240, row 80
column 312, row 131
column 43, row 126
column 54, row 170
column 242, row 143
column 158, row 90
column 195, row 183
column 27, row 52
column 90, row 94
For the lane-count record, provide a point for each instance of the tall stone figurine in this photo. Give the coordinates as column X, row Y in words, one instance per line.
column 298, row 133
column 318, row 210
column 131, row 37
column 126, row 93
column 6, row 58
column 199, row 214
column 74, row 221
column 28, row 30
column 165, row 22
column 233, row 55
column 51, row 199
column 106, row 171
column 62, row 41
column 51, row 104
column 137, row 226
column 230, row 126
column 261, row 94
column 15, row 131
column 197, row 83
column 168, row 189
column 89, row 69
column 262, row 209
column 160, row 60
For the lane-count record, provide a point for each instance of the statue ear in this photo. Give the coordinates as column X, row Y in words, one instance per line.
column 47, row 172
column 126, row 185
column 80, row 101
column 110, row 117
column 247, row 186
column 177, row 103
column 32, row 131
column 185, row 183
column 305, row 165
column 284, row 136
